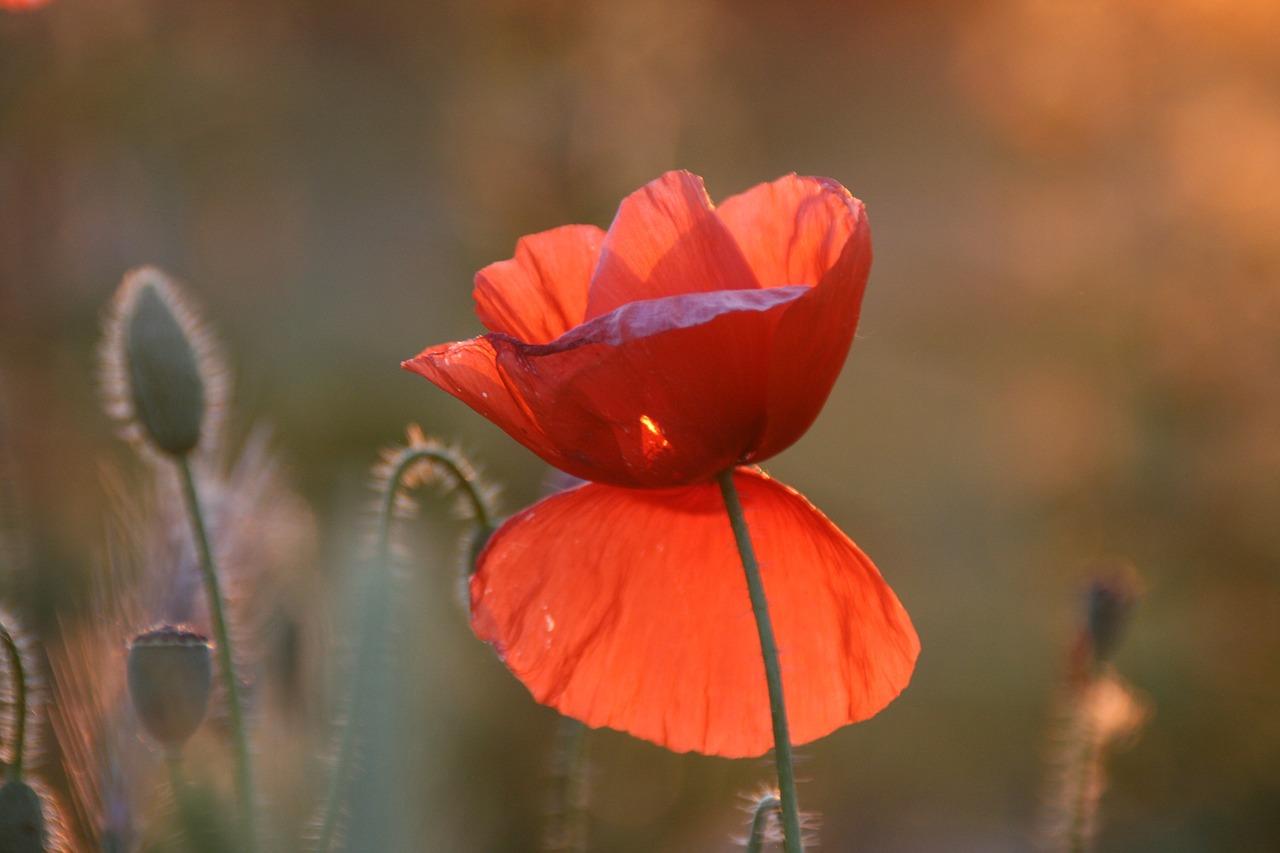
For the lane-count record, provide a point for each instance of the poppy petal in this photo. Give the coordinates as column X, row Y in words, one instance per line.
column 629, row 609
column 793, row 230
column 800, row 230
column 627, row 396
column 624, row 399
column 541, row 292
column 468, row 370
column 666, row 240
column 810, row 345
column 667, row 390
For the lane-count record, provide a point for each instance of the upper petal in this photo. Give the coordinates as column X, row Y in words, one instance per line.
column 811, row 342
column 629, row 609
column 541, row 292
column 468, row 370
column 793, row 230
column 665, row 240
column 656, row 394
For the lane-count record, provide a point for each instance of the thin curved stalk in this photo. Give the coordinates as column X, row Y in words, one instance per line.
column 567, row 826
column 792, row 841
column 377, row 603
column 226, row 659
column 766, row 807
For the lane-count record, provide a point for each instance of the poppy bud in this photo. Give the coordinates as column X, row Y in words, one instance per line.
column 159, row 365
column 170, row 674
column 1109, row 602
column 23, row 828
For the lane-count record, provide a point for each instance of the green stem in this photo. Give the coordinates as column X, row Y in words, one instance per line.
column 181, row 800
column 375, row 612
column 226, row 660
column 406, row 461
column 19, row 674
column 765, row 808
column 567, row 828
column 792, row 841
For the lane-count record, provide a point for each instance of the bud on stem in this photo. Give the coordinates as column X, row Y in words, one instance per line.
column 161, row 376
column 170, row 676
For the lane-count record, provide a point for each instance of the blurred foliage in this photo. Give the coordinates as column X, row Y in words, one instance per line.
column 1070, row 348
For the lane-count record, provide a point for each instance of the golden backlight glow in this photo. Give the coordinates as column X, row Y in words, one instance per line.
column 652, row 440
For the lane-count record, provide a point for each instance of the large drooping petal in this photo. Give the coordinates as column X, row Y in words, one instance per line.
column 629, row 609
column 666, row 240
column 541, row 293
column 655, row 394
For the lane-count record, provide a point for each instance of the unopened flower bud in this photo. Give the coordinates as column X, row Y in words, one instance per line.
column 1109, row 602
column 170, row 674
column 23, row 828
column 161, row 375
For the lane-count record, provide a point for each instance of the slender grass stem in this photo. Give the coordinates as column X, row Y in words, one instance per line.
column 377, row 605
column 226, row 659
column 792, row 841
column 19, row 675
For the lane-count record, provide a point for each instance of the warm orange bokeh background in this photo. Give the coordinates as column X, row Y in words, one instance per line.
column 1070, row 348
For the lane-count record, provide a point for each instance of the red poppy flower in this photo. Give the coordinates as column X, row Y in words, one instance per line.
column 684, row 341
column 21, row 5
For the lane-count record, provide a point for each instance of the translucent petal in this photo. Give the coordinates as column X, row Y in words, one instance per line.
column 629, row 609
column 541, row 293
column 666, row 240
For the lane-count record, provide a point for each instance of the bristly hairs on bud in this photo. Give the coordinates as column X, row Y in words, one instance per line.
column 30, row 819
column 163, row 381
column 97, row 732
column 21, row 699
column 424, row 461
column 400, row 469
column 765, row 810
column 1103, row 714
column 163, row 378
column 1096, row 711
column 765, row 807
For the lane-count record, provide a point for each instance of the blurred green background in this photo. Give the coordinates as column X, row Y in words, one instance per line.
column 1070, row 348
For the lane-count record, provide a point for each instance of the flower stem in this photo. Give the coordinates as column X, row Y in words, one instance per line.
column 766, row 807
column 458, row 470
column 1084, row 800
column 377, row 607
column 567, row 828
column 226, row 660
column 181, row 798
column 792, row 841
